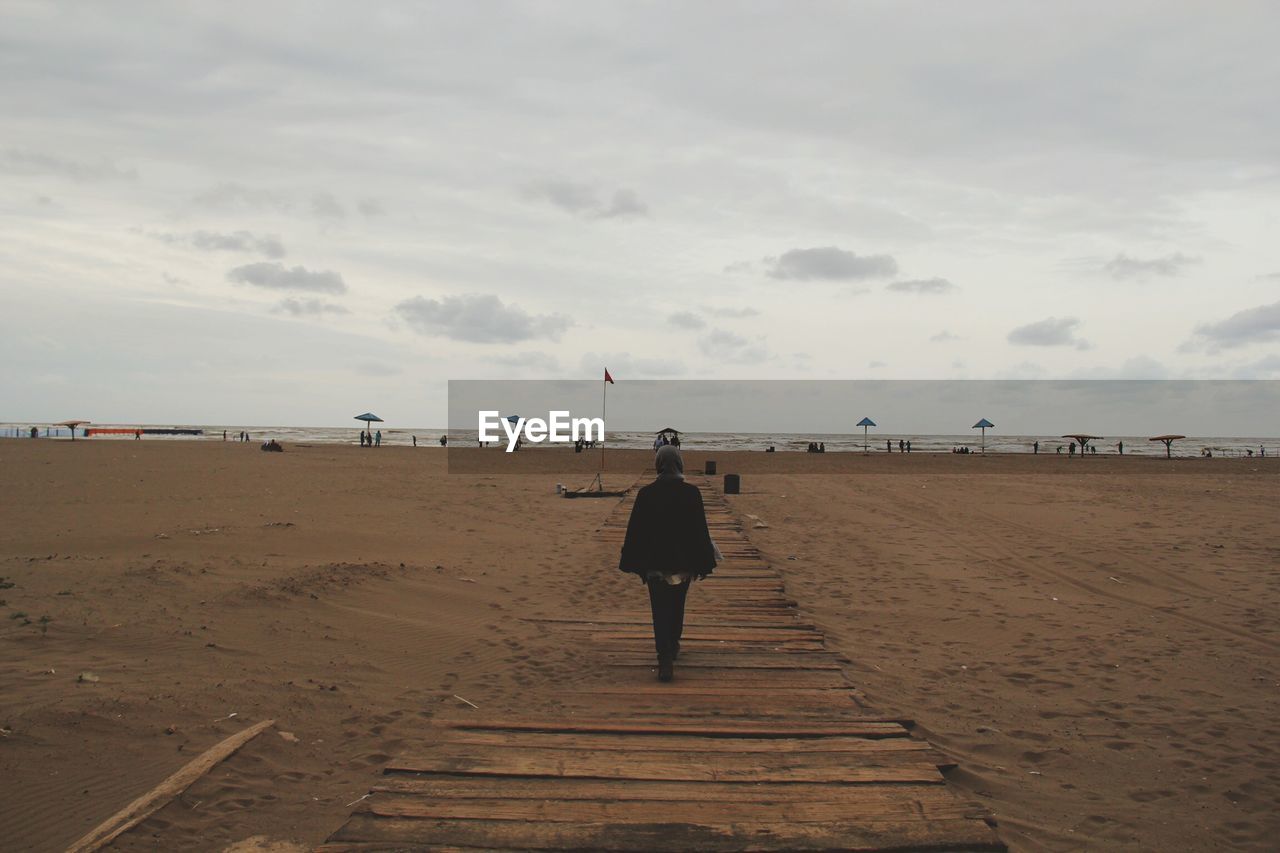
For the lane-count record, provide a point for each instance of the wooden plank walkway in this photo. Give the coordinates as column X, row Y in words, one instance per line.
column 760, row 743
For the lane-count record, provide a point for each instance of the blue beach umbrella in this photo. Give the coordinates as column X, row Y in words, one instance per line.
column 864, row 423
column 369, row 418
column 983, row 424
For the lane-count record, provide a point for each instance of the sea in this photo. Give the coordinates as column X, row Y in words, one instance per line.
column 428, row 437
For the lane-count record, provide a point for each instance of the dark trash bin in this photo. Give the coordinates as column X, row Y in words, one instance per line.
column 731, row 484
column 710, row 467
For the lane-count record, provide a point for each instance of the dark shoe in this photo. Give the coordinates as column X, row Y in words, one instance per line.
column 666, row 670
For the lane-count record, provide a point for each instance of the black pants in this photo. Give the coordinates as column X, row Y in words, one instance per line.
column 667, row 602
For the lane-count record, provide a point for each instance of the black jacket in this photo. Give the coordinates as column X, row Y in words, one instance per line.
column 668, row 532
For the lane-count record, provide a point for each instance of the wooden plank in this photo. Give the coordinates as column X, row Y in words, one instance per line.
column 413, row 805
column 146, row 805
column 431, row 786
column 686, row 745
column 956, row 835
column 872, row 727
column 871, row 768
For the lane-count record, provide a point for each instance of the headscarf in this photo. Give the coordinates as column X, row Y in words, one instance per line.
column 668, row 463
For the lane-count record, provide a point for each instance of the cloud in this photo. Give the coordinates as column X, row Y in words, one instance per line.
column 538, row 362
column 739, row 267
column 944, row 336
column 377, row 368
column 479, row 318
column 624, row 203
column 727, row 346
column 236, row 241
column 231, row 195
column 1051, row 332
column 275, row 276
column 623, row 365
column 1267, row 367
column 174, row 280
column 829, row 263
column 1122, row 266
column 310, row 307
column 686, row 320
column 370, row 207
column 876, row 364
column 18, row 162
column 1273, row 276
column 732, row 313
column 325, row 206
column 1250, row 326
column 585, row 200
column 930, row 286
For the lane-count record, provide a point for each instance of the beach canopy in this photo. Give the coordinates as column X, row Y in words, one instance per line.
column 1168, row 443
column 866, row 422
column 667, row 429
column 72, row 424
column 1083, row 439
column 368, row 417
column 515, row 419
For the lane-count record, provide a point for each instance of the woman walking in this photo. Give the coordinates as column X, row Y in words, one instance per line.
column 668, row 545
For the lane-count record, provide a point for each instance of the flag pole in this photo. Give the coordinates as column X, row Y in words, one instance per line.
column 604, row 400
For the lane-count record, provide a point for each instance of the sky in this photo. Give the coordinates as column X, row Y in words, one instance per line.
column 291, row 213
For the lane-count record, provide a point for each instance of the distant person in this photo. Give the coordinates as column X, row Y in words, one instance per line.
column 224, row 435
column 137, row 435
column 668, row 546
column 377, row 441
column 444, row 441
column 362, row 438
column 822, row 447
column 888, row 445
column 1093, row 449
column 415, row 440
column 1035, row 447
column 902, row 446
column 769, row 449
column 908, row 446
column 35, row 432
column 675, row 440
column 1071, row 448
column 1059, row 449
column 1120, row 447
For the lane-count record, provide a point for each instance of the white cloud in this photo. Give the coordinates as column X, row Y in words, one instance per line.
column 478, row 318
column 1122, row 266
column 928, row 286
column 1250, row 326
column 1050, row 332
column 275, row 276
column 829, row 263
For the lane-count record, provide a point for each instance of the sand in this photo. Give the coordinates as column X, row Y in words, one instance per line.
column 1094, row 640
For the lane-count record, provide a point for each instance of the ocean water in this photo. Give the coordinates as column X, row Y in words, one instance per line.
column 1221, row 446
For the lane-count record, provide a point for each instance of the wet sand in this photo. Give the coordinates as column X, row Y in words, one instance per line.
column 1095, row 640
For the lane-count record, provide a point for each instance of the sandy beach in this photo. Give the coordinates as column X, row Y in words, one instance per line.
column 1093, row 640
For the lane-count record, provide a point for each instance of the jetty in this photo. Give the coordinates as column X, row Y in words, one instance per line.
column 760, row 743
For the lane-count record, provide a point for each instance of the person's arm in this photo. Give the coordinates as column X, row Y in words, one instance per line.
column 633, row 546
column 705, row 549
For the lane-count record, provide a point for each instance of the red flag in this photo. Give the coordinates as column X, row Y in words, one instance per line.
column 607, row 377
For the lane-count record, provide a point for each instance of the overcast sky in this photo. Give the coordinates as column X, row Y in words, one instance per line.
column 270, row 213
